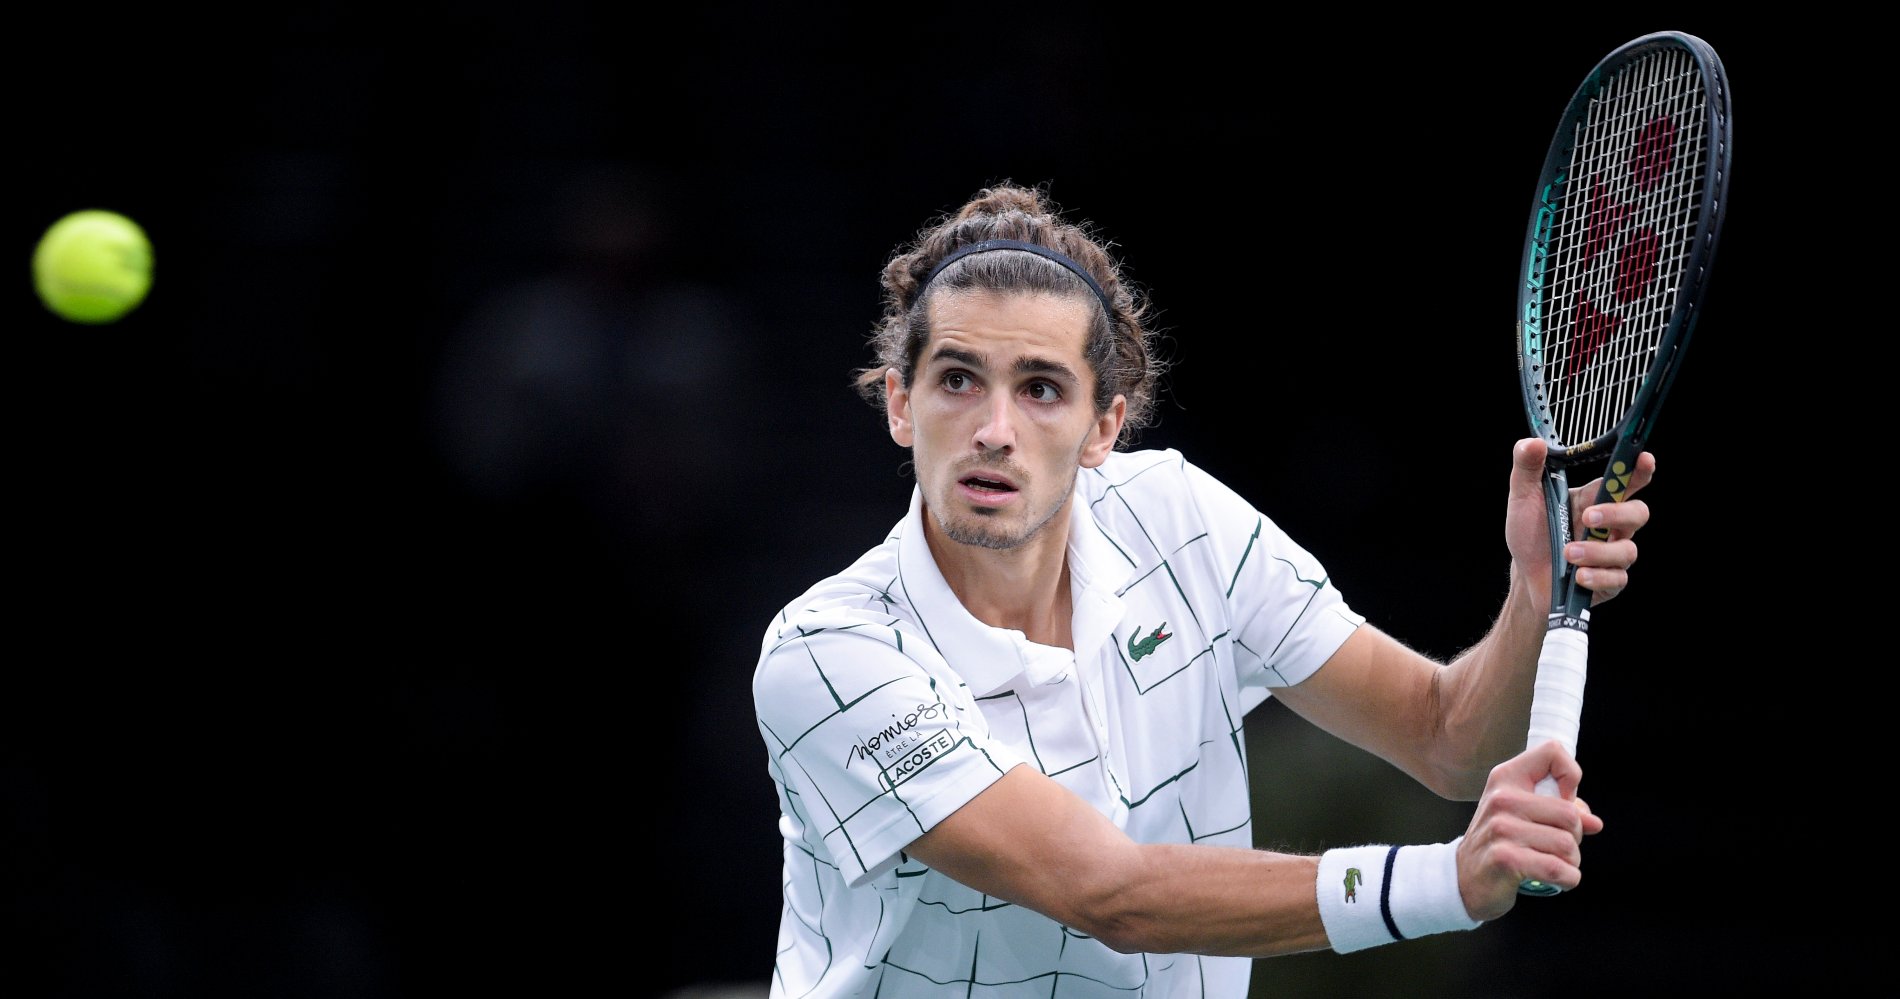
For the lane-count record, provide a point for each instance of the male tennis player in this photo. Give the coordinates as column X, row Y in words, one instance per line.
column 1007, row 739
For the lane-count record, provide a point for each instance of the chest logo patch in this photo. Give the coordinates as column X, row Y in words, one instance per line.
column 1145, row 646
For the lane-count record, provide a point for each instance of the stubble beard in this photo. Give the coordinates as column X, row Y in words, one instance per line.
column 977, row 528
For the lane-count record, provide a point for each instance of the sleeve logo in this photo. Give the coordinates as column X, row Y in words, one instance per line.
column 914, row 762
column 894, row 741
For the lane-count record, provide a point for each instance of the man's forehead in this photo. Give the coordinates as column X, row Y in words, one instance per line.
column 1005, row 328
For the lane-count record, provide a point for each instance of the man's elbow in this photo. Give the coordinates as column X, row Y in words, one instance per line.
column 1454, row 776
column 1123, row 931
column 1113, row 908
column 1459, row 785
column 1459, row 760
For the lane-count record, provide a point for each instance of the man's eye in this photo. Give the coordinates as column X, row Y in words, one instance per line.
column 957, row 381
column 1044, row 392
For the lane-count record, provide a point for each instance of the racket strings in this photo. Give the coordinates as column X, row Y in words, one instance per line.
column 1625, row 229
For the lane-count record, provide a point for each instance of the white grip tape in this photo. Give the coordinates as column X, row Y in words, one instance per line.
column 1557, row 699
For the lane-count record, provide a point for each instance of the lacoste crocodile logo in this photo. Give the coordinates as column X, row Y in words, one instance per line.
column 1138, row 649
column 1353, row 880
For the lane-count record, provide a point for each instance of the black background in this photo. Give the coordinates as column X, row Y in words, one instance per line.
column 387, row 587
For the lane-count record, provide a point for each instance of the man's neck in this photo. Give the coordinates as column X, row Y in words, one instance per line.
column 1024, row 588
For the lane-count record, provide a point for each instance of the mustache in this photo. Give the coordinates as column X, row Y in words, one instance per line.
column 992, row 461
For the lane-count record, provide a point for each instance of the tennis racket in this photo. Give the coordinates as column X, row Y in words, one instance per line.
column 1623, row 228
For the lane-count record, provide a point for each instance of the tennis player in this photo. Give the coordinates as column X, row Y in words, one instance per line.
column 1006, row 740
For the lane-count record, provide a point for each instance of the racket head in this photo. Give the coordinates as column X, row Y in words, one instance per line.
column 1623, row 227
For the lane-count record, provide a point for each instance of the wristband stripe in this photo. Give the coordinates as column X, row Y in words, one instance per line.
column 1385, row 894
column 1419, row 888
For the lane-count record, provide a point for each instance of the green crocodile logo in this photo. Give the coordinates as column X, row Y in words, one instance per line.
column 1138, row 649
column 1353, row 880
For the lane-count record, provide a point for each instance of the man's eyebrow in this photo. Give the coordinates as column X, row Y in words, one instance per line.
column 1023, row 366
column 956, row 354
column 1042, row 366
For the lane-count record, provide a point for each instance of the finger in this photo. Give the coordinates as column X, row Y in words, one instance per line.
column 1639, row 477
column 1592, row 822
column 1605, row 583
column 1601, row 554
column 1561, row 837
column 1536, row 865
column 1523, row 771
column 1551, row 824
column 1554, row 761
column 1556, row 830
column 1619, row 520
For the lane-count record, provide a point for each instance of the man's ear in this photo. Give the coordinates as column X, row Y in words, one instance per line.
column 1102, row 436
column 897, row 408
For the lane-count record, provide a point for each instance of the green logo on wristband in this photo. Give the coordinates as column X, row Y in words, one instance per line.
column 1353, row 880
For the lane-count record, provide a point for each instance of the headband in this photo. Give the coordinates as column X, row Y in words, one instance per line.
column 1016, row 244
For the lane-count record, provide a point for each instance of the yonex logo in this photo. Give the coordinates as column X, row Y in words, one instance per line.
column 1146, row 646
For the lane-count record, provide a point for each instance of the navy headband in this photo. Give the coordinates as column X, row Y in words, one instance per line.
column 1016, row 244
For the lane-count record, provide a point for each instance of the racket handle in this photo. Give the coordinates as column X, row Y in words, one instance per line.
column 1557, row 701
column 1557, row 697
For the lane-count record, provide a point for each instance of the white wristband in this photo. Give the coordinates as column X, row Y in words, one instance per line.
column 1372, row 895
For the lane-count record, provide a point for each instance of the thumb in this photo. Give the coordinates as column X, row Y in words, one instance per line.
column 1527, row 464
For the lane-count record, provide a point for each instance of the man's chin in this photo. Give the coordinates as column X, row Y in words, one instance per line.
column 981, row 535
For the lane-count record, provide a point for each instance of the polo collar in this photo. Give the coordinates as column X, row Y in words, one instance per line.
column 987, row 657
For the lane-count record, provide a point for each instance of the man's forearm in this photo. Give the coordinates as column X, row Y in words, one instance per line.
column 1485, row 693
column 1224, row 901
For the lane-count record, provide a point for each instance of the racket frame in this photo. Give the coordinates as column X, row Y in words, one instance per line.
column 1619, row 447
column 1566, row 640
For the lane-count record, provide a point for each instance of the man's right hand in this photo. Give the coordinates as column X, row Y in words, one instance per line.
column 1517, row 834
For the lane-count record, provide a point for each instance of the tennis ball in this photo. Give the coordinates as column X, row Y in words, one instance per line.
column 93, row 266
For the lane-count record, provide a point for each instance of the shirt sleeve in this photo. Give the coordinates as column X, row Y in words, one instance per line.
column 1289, row 617
column 874, row 745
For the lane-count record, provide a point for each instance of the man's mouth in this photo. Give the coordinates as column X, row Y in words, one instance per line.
column 988, row 485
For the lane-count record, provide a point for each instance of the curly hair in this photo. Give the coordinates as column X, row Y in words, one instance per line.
column 1119, row 347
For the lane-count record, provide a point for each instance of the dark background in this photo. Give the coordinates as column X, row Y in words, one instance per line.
column 387, row 587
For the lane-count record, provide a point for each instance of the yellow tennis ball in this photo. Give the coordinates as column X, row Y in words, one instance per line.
column 93, row 266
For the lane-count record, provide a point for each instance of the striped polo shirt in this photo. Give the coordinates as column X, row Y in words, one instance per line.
column 885, row 706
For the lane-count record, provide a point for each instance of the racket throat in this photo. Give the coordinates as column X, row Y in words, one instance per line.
column 1578, row 621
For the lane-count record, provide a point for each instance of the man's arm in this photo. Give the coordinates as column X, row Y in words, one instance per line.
column 1029, row 841
column 1448, row 725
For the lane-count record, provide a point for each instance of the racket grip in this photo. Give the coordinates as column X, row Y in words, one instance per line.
column 1557, row 702
column 1557, row 697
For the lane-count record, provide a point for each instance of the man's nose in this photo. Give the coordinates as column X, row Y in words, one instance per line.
column 998, row 432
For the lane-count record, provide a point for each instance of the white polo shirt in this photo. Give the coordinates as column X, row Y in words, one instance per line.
column 885, row 706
